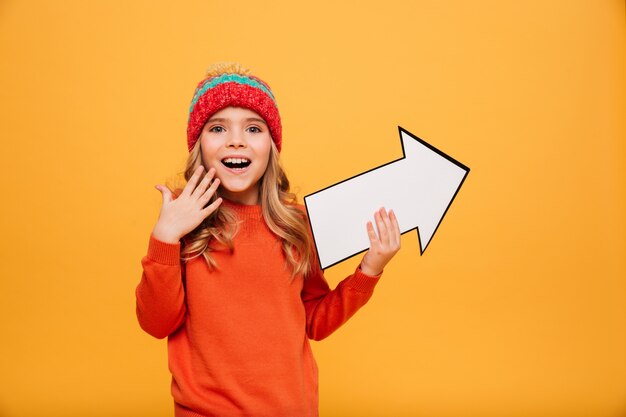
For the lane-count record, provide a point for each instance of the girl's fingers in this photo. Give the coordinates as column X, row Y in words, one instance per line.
column 191, row 184
column 381, row 226
column 385, row 216
column 204, row 184
column 208, row 193
column 166, row 194
column 395, row 227
column 387, row 233
column 371, row 233
column 211, row 207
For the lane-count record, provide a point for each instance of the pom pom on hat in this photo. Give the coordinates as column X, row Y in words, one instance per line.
column 220, row 68
column 231, row 84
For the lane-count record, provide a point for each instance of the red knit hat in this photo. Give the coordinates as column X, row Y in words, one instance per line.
column 230, row 84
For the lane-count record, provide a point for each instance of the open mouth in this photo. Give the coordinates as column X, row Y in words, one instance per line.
column 236, row 163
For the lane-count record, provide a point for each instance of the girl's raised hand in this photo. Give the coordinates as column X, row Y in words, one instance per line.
column 181, row 215
column 384, row 245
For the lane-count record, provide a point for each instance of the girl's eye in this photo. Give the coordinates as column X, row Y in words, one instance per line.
column 216, row 127
column 255, row 129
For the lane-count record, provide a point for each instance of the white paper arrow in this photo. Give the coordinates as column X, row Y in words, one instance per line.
column 419, row 187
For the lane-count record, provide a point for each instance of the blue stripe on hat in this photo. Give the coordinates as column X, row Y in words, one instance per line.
column 225, row 78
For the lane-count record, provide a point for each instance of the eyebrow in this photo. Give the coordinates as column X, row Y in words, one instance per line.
column 249, row 119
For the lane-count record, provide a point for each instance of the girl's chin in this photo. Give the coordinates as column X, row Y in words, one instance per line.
column 237, row 190
column 244, row 196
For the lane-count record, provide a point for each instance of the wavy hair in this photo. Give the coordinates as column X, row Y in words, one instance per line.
column 280, row 213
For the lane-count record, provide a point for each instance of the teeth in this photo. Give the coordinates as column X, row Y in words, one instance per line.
column 236, row 160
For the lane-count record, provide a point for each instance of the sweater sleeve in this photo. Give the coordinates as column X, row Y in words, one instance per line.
column 326, row 310
column 160, row 294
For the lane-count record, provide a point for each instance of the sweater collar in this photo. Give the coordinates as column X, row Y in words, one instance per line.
column 244, row 211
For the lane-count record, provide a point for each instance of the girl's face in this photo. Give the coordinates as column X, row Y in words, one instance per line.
column 236, row 142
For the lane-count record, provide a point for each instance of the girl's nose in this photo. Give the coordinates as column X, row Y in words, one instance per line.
column 236, row 139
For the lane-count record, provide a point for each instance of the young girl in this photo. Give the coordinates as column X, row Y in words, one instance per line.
column 231, row 275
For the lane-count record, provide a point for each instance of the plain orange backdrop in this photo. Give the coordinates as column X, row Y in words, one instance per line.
column 517, row 308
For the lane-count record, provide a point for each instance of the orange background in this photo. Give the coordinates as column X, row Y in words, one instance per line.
column 517, row 308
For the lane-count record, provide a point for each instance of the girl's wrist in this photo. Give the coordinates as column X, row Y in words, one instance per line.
column 369, row 271
column 165, row 235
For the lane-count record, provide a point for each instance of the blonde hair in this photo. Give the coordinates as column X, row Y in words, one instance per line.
column 282, row 216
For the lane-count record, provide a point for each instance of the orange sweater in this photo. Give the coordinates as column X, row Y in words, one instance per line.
column 238, row 336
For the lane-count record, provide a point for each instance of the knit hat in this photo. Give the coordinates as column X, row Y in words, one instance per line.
column 230, row 84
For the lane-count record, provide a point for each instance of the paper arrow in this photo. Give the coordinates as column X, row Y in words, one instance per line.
column 419, row 187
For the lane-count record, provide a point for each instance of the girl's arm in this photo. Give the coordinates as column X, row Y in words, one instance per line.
column 160, row 294
column 327, row 310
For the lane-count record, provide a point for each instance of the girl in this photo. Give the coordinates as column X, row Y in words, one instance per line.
column 231, row 275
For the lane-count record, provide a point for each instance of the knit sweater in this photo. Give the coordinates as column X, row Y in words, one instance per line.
column 238, row 335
